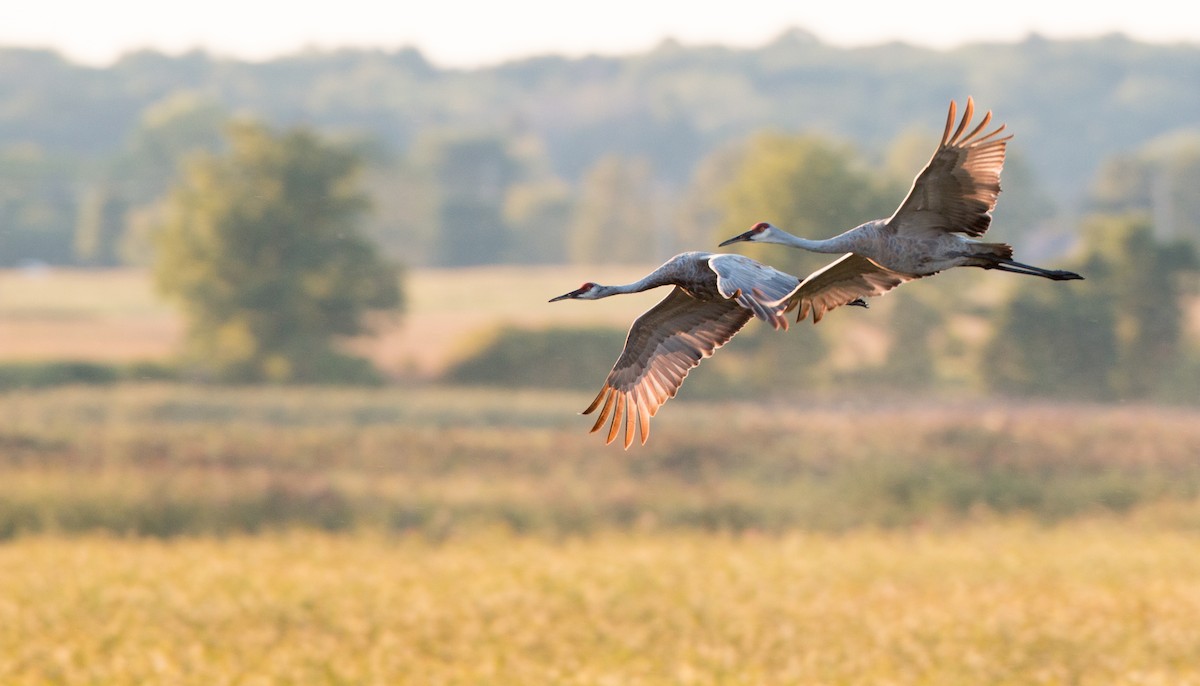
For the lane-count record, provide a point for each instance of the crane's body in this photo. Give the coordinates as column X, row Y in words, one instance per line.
column 912, row 255
column 935, row 228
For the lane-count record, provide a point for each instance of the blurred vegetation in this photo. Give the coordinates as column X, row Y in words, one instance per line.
column 1092, row 602
column 600, row 160
column 171, row 460
column 262, row 250
column 25, row 375
column 539, row 358
column 632, row 159
column 1120, row 335
column 1095, row 602
column 86, row 152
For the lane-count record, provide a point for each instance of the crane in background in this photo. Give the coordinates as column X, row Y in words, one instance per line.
column 935, row 228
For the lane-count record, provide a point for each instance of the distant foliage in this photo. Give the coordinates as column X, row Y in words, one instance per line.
column 27, row 375
column 171, row 460
column 537, row 214
column 1071, row 105
column 615, row 220
column 804, row 184
column 1117, row 335
column 262, row 249
column 101, row 224
column 910, row 362
column 473, row 175
column 1158, row 180
column 809, row 186
column 1147, row 280
column 552, row 358
column 1054, row 342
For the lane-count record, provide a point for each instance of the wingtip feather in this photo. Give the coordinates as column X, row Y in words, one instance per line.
column 949, row 123
column 596, row 401
column 630, row 420
column 618, row 415
column 608, row 405
column 968, row 112
column 643, row 413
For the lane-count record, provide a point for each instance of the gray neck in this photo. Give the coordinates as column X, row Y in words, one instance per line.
column 643, row 284
column 837, row 244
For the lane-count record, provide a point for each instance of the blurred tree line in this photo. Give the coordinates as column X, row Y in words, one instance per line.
column 631, row 159
column 537, row 160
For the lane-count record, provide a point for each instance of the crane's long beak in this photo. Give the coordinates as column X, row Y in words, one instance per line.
column 737, row 239
column 575, row 293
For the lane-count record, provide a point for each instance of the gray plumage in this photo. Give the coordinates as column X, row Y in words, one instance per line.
column 934, row 228
column 714, row 295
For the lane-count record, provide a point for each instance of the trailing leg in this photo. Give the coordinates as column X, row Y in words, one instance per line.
column 1009, row 265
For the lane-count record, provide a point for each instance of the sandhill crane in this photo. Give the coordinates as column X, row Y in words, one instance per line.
column 948, row 206
column 714, row 296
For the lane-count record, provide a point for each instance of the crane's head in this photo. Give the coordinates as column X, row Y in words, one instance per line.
column 761, row 232
column 588, row 291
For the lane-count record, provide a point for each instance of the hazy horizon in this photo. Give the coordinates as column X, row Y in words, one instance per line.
column 98, row 35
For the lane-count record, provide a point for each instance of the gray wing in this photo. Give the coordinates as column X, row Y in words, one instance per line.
column 754, row 286
column 663, row 345
column 841, row 282
column 957, row 190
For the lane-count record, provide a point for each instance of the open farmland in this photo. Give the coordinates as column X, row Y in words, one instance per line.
column 424, row 534
column 1085, row 603
column 169, row 460
column 115, row 315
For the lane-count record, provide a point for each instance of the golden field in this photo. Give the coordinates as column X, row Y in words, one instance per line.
column 179, row 535
column 1086, row 603
column 426, row 534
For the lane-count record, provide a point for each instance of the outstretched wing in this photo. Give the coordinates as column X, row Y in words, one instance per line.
column 663, row 345
column 754, row 286
column 957, row 190
column 841, row 282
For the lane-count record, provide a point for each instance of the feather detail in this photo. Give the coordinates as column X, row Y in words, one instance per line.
column 957, row 190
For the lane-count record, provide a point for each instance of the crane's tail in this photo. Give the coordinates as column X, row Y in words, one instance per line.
column 991, row 253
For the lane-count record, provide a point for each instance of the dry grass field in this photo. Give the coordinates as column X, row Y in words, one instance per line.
column 422, row 534
column 172, row 460
column 1086, row 603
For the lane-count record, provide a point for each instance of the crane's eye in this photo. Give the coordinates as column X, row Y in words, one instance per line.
column 761, row 226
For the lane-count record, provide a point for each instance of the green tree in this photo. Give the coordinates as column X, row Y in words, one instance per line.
column 263, row 250
column 702, row 211
column 1118, row 334
column 1160, row 179
column 811, row 187
column 538, row 214
column 167, row 132
column 615, row 219
column 99, row 227
column 473, row 175
column 806, row 185
column 1142, row 278
column 910, row 359
column 1057, row 342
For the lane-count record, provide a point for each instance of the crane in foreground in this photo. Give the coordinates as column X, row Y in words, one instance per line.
column 934, row 228
column 715, row 295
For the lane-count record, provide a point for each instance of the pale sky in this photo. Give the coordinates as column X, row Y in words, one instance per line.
column 480, row 32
